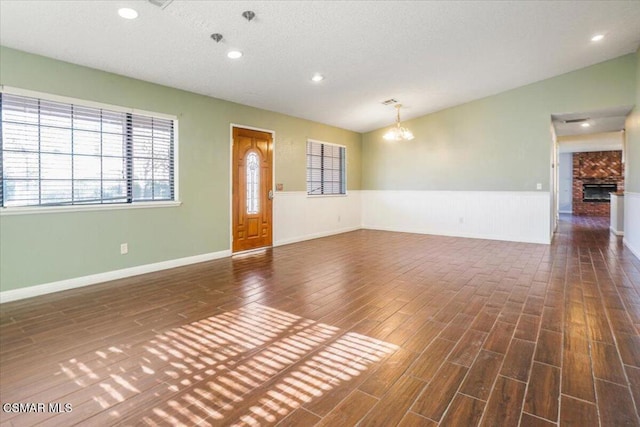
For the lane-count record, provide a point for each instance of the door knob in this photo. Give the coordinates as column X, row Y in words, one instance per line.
column 270, row 194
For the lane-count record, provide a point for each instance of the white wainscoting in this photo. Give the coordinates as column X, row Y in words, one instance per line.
column 520, row 216
column 632, row 222
column 512, row 216
column 298, row 217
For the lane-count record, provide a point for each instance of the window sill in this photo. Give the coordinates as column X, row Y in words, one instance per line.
column 28, row 210
column 318, row 196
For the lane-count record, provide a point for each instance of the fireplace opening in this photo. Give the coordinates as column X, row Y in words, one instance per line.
column 598, row 192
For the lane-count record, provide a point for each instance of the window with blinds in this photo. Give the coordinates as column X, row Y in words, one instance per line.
column 326, row 168
column 56, row 154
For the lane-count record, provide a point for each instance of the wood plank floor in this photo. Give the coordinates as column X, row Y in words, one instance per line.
column 369, row 328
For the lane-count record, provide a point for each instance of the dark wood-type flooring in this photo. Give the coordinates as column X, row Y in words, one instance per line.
column 368, row 328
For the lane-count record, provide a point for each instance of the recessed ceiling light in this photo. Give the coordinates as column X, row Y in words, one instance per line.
column 585, row 125
column 127, row 13
column 317, row 77
column 597, row 37
column 234, row 54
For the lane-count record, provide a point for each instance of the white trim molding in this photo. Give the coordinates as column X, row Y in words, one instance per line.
column 315, row 235
column 632, row 222
column 28, row 210
column 78, row 282
column 520, row 216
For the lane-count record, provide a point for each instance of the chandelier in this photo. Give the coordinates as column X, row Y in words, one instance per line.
column 398, row 133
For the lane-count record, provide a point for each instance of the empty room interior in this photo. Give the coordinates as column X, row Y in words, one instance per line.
column 297, row 213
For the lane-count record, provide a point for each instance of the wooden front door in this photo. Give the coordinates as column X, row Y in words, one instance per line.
column 252, row 189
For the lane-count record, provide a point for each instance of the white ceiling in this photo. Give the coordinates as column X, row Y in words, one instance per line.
column 600, row 121
column 429, row 55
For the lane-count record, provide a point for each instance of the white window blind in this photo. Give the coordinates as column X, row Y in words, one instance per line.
column 56, row 153
column 326, row 171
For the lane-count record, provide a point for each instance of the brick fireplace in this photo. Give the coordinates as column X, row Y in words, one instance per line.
column 594, row 175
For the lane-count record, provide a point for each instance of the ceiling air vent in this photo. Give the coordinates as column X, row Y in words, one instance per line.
column 576, row 120
column 162, row 4
column 390, row 101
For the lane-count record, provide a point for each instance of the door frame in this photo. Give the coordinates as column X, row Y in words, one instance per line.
column 273, row 180
column 554, row 183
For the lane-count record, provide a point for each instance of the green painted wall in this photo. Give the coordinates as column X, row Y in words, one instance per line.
column 43, row 248
column 499, row 143
column 502, row 142
column 632, row 155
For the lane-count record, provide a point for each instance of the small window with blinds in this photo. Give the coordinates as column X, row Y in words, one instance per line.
column 58, row 154
column 326, row 168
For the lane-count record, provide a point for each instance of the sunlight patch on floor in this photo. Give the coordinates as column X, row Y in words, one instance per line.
column 210, row 367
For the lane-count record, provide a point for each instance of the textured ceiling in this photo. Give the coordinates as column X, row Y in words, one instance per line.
column 428, row 55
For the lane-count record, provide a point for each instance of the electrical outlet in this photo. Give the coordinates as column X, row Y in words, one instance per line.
column 538, row 186
column 338, row 218
column 124, row 249
column 461, row 220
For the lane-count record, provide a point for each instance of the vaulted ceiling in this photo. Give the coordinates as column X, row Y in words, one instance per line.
column 428, row 55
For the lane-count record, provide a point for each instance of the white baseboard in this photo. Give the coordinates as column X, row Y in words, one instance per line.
column 565, row 212
column 509, row 216
column 297, row 217
column 78, row 282
column 315, row 236
column 634, row 251
column 504, row 238
column 616, row 232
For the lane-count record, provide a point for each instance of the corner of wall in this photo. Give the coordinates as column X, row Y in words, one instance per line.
column 632, row 172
